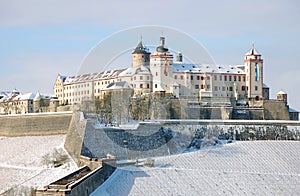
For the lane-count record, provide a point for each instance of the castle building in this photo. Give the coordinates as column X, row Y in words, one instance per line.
column 158, row 72
column 15, row 102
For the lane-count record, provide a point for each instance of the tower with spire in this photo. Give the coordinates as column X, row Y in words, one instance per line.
column 254, row 74
column 140, row 55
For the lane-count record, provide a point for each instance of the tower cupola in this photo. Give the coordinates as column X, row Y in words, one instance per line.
column 161, row 47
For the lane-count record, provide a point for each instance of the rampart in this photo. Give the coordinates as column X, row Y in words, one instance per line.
column 35, row 124
column 165, row 137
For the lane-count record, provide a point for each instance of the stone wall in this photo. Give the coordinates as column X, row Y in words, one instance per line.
column 276, row 110
column 145, row 141
column 35, row 124
column 72, row 186
column 75, row 136
column 165, row 137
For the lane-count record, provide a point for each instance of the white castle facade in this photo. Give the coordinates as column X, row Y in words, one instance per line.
column 160, row 72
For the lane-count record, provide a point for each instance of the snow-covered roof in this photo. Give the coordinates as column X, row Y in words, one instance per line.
column 195, row 68
column 252, row 51
column 117, row 85
column 12, row 96
column 292, row 110
column 26, row 96
column 159, row 88
column 92, row 76
column 240, row 168
column 265, row 86
column 135, row 70
column 281, row 93
column 37, row 96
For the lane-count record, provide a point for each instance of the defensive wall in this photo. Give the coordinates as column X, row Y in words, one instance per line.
column 164, row 137
column 81, row 182
column 35, row 124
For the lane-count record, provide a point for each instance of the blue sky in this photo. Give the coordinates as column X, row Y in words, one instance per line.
column 39, row 39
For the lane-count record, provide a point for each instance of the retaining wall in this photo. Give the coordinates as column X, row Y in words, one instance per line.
column 35, row 124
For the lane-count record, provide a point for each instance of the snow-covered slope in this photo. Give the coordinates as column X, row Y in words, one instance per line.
column 28, row 161
column 240, row 168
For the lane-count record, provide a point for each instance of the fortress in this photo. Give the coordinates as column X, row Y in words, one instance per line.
column 190, row 90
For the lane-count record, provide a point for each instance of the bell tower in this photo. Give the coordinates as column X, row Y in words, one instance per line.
column 254, row 74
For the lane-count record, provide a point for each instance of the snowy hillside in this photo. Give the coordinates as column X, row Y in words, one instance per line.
column 32, row 161
column 240, row 168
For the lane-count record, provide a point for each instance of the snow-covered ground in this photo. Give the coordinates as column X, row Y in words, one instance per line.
column 239, row 168
column 28, row 161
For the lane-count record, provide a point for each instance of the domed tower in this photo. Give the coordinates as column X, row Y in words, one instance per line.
column 140, row 55
column 161, row 66
column 254, row 74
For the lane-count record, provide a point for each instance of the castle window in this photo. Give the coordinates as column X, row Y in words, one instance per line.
column 223, row 88
column 202, row 86
column 192, row 77
column 208, row 78
column 141, row 77
column 156, row 73
column 198, row 77
column 244, row 78
column 216, row 88
column 256, row 88
column 225, row 78
column 239, row 78
column 230, row 78
column 155, row 85
column 181, row 77
column 141, row 85
column 215, row 77
column 234, row 78
column 256, row 72
column 220, row 78
column 208, row 87
column 148, row 85
column 148, row 77
column 243, row 88
column 196, row 86
column 230, row 88
column 202, row 78
column 175, row 77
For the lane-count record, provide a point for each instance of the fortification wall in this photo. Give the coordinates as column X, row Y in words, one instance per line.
column 35, row 124
column 276, row 110
column 165, row 137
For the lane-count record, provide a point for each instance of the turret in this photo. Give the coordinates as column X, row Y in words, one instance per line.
column 140, row 55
